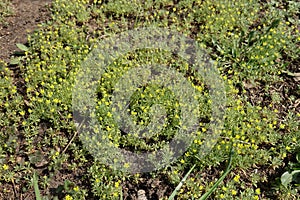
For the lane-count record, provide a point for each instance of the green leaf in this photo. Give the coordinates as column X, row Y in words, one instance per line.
column 174, row 193
column 226, row 172
column 36, row 187
column 298, row 157
column 15, row 61
column 274, row 24
column 287, row 177
column 252, row 38
column 1, row 66
column 22, row 47
column 296, row 178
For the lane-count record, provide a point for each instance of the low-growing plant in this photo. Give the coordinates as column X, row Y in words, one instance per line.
column 293, row 175
column 5, row 11
column 254, row 43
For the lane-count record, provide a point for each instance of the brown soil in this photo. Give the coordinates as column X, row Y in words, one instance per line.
column 27, row 14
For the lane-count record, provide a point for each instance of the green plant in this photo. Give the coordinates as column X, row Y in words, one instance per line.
column 5, row 10
column 227, row 170
column 255, row 45
column 293, row 175
column 213, row 188
column 20, row 54
column 36, row 187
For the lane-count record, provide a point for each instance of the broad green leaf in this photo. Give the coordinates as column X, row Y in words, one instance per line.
column 287, row 177
column 15, row 61
column 22, row 47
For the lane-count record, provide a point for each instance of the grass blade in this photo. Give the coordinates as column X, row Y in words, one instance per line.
column 214, row 187
column 36, row 187
column 181, row 183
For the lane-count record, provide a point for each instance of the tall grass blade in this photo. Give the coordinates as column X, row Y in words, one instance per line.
column 214, row 187
column 36, row 187
column 180, row 184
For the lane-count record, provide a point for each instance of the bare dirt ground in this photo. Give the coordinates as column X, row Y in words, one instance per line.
column 26, row 15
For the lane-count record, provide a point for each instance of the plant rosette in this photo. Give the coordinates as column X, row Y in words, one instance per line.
column 99, row 138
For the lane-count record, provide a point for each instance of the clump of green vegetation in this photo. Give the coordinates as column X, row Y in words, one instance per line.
column 252, row 42
column 5, row 10
column 292, row 176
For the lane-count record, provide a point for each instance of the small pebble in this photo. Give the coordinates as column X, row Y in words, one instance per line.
column 142, row 195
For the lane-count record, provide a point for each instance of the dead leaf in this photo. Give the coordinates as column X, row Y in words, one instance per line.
column 296, row 76
column 248, row 85
column 142, row 195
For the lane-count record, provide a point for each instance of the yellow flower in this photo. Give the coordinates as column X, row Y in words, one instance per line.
column 55, row 100
column 109, row 114
column 257, row 191
column 68, row 197
column 224, row 188
column 76, row 189
column 13, row 91
column 236, row 178
column 233, row 192
column 116, row 194
column 126, row 165
column 282, row 126
column 255, row 197
column 5, row 167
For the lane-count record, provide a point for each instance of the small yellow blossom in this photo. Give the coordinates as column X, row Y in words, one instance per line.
column 257, row 191
column 236, row 178
column 233, row 192
column 117, row 184
column 282, row 126
column 255, row 197
column 5, row 167
column 68, row 197
column 76, row 188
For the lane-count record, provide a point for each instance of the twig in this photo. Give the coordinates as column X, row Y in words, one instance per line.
column 73, row 137
column 15, row 191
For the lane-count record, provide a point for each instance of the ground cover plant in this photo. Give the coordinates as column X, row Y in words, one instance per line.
column 5, row 10
column 255, row 47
